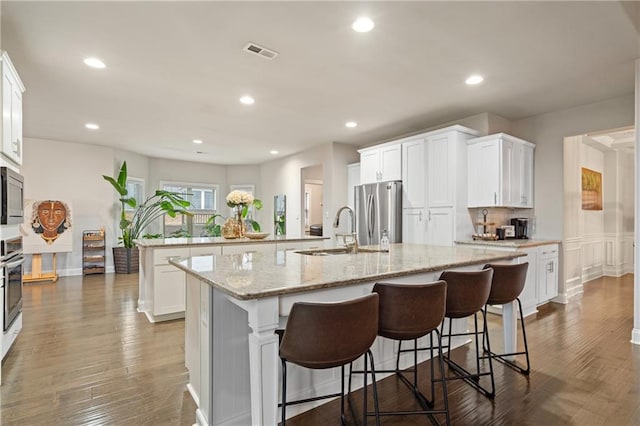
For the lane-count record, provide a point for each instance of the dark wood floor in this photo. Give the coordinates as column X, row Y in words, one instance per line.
column 86, row 357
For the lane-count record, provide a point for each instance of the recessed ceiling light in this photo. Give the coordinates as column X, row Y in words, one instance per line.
column 247, row 100
column 362, row 25
column 198, row 141
column 94, row 63
column 351, row 124
column 273, row 152
column 92, row 126
column 474, row 79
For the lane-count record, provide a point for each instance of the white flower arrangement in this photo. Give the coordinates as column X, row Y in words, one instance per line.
column 239, row 198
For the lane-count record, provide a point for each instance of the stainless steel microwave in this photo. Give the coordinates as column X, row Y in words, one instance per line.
column 11, row 197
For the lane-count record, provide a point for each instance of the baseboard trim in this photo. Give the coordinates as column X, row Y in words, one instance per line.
column 193, row 394
column 635, row 336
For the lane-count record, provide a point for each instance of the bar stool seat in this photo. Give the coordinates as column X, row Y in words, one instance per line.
column 328, row 335
column 506, row 286
column 467, row 294
column 408, row 312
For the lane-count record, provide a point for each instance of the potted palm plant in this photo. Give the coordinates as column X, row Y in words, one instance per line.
column 126, row 258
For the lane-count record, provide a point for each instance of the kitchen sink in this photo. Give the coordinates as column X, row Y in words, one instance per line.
column 335, row 251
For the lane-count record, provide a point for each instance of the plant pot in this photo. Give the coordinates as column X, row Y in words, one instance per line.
column 126, row 260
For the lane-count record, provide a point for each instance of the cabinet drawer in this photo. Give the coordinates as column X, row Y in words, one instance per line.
column 204, row 251
column 548, row 251
column 161, row 257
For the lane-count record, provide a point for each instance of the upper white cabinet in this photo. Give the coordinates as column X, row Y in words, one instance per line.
column 381, row 163
column 12, row 89
column 500, row 172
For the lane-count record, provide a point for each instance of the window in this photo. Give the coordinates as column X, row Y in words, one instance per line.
column 135, row 189
column 203, row 205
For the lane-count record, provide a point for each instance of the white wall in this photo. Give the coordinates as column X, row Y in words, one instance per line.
column 73, row 172
column 548, row 131
column 284, row 176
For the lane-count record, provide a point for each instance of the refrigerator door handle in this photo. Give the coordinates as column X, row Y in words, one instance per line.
column 371, row 217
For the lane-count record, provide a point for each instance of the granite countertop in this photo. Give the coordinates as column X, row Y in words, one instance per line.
column 218, row 241
column 511, row 243
column 257, row 275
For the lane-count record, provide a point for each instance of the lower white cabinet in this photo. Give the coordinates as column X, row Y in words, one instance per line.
column 440, row 227
column 547, row 273
column 542, row 275
column 414, row 226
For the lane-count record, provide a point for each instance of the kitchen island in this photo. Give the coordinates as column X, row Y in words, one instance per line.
column 161, row 287
column 236, row 302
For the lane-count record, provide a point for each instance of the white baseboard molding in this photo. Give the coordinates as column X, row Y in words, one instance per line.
column 200, row 418
column 635, row 336
column 74, row 272
column 592, row 273
column 194, row 394
column 574, row 291
column 561, row 298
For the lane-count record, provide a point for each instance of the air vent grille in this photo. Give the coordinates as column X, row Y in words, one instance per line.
column 260, row 51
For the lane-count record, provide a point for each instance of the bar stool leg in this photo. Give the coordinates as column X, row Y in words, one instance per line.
column 445, row 395
column 284, row 392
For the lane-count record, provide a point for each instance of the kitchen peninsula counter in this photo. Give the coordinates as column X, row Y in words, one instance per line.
column 161, row 287
column 509, row 243
column 236, row 302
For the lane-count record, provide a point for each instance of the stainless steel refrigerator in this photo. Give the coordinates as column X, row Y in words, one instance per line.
column 379, row 208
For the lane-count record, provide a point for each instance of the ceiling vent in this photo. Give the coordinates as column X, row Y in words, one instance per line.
column 260, row 51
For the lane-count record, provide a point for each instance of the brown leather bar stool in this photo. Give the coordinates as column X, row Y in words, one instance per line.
column 507, row 284
column 467, row 294
column 328, row 335
column 408, row 312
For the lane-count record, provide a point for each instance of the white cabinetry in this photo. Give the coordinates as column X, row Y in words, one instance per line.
column 547, row 273
column 434, row 167
column 500, row 171
column 12, row 89
column 381, row 163
column 414, row 226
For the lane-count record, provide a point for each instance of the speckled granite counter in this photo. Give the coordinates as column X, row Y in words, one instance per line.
column 219, row 241
column 257, row 275
column 511, row 243
column 235, row 302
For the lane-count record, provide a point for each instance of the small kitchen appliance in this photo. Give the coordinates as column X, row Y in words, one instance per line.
column 520, row 226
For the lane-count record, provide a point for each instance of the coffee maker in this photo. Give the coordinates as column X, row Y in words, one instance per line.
column 520, row 227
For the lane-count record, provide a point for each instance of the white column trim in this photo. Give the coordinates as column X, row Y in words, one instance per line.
column 635, row 334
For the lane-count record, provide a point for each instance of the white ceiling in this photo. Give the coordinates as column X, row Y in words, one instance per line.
column 175, row 70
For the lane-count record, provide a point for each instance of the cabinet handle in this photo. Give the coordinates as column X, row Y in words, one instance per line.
column 429, row 215
column 420, row 216
column 495, row 198
column 550, row 267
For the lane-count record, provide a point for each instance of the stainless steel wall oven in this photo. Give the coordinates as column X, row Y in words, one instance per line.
column 11, row 261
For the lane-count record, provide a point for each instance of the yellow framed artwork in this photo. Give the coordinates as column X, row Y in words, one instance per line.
column 591, row 189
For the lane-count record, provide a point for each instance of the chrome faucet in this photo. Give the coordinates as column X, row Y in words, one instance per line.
column 352, row 246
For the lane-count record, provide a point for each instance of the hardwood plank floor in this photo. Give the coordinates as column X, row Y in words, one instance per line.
column 86, row 357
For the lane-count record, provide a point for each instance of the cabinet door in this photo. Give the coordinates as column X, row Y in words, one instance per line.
column 413, row 174
column 547, row 279
column 7, row 91
column 484, row 174
column 526, row 179
column 511, row 171
column 440, row 226
column 391, row 162
column 440, row 171
column 369, row 166
column 169, row 291
column 413, row 226
column 16, row 124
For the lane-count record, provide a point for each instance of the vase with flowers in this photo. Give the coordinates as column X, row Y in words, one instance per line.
column 235, row 226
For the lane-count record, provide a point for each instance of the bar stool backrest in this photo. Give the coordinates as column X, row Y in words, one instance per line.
column 467, row 292
column 507, row 283
column 409, row 311
column 327, row 335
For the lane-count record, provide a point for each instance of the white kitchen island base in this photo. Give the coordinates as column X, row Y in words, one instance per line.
column 231, row 349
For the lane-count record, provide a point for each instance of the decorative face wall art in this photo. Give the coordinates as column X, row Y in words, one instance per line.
column 47, row 227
